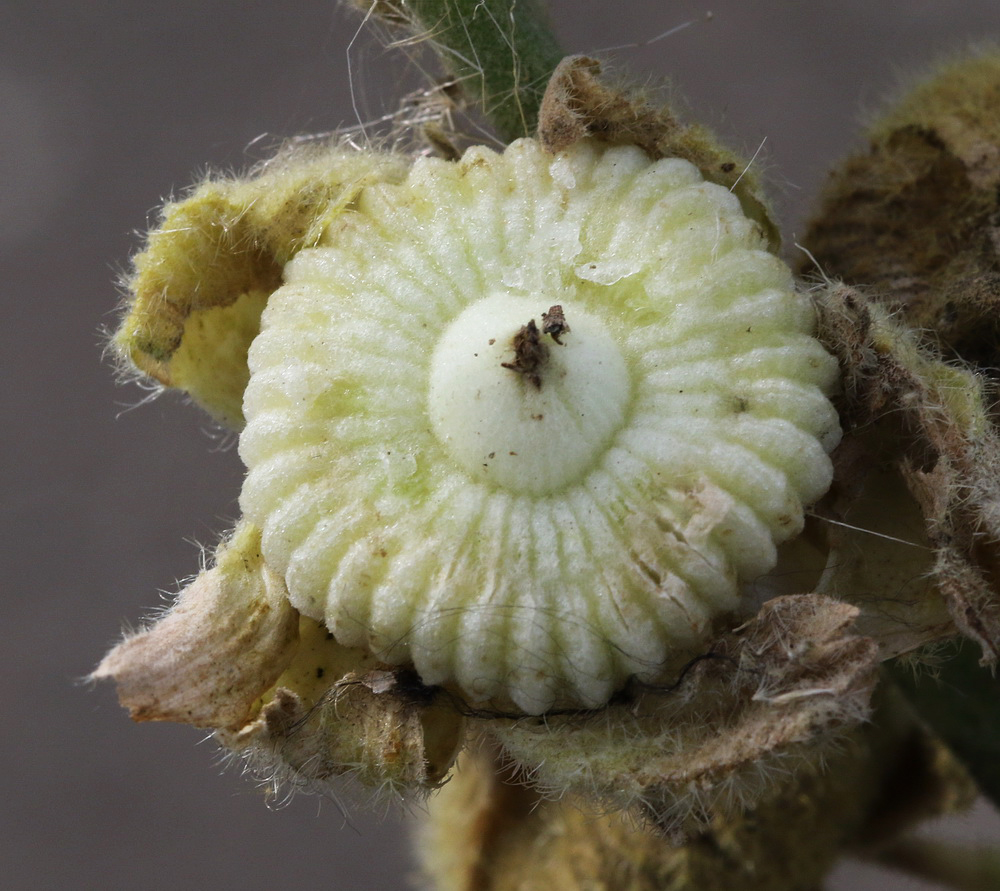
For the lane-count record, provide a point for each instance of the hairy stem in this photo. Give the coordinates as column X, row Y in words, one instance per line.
column 501, row 52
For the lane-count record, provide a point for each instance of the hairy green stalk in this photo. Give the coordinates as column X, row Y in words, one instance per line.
column 501, row 52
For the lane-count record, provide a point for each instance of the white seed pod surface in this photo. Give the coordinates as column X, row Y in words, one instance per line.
column 526, row 421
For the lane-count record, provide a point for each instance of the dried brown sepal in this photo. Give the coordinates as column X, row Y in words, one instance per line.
column 198, row 287
column 578, row 104
column 226, row 639
column 374, row 726
column 486, row 832
column 967, row 550
column 932, row 421
column 916, row 215
column 338, row 711
column 774, row 691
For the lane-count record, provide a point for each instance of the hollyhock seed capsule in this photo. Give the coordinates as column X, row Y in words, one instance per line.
column 525, row 421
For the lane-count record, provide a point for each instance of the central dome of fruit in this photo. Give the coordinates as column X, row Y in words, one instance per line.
column 525, row 399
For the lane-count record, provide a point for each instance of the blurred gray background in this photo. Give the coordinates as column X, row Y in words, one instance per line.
column 105, row 109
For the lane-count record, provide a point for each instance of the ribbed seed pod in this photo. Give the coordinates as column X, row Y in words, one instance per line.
column 526, row 420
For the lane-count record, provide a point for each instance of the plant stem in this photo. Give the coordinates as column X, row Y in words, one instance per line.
column 962, row 867
column 959, row 701
column 501, row 52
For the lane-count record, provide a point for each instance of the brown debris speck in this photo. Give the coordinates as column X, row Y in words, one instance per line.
column 554, row 323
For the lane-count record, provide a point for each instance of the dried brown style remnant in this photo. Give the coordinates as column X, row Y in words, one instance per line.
column 530, row 354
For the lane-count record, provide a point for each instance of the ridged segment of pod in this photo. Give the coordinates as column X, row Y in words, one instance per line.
column 526, row 421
